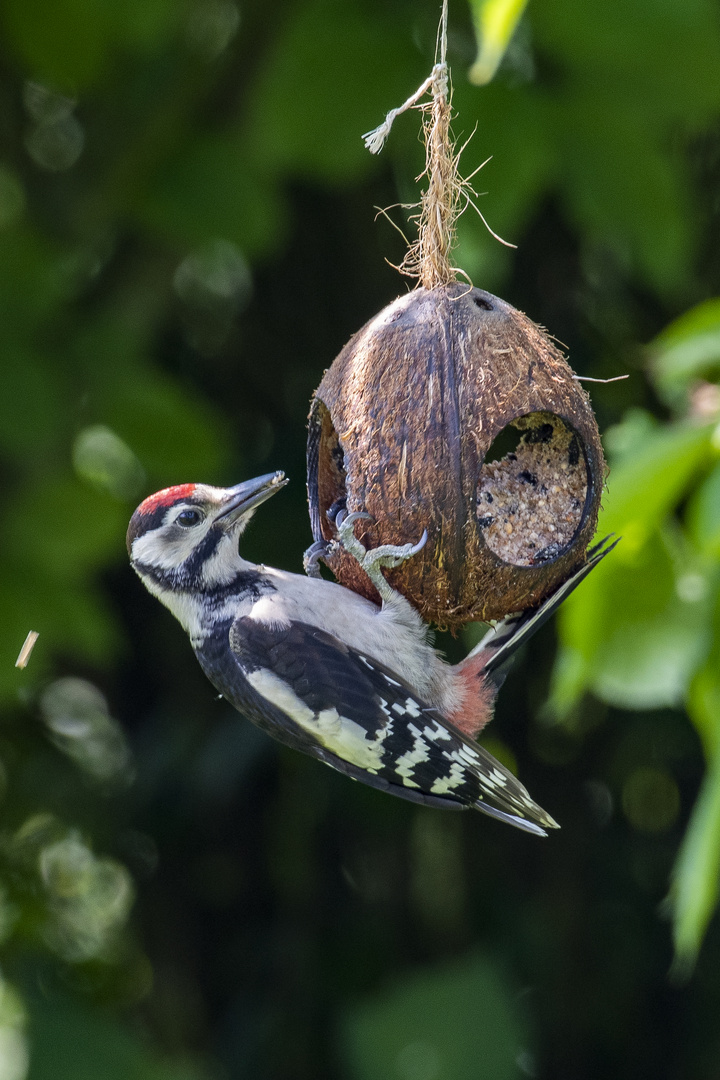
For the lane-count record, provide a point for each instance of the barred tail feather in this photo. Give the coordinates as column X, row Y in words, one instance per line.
column 506, row 637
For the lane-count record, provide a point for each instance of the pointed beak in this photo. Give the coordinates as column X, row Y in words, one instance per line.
column 245, row 497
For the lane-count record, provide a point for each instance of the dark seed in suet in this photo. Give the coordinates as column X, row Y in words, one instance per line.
column 547, row 554
column 542, row 434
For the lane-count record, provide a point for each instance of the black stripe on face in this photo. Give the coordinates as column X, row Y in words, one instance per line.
column 204, row 551
column 144, row 522
column 245, row 583
column 187, row 577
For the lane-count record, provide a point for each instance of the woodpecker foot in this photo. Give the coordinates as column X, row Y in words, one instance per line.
column 371, row 561
column 313, row 557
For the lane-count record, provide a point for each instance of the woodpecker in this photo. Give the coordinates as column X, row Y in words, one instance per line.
column 354, row 684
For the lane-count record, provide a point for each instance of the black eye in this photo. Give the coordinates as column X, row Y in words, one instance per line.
column 188, row 518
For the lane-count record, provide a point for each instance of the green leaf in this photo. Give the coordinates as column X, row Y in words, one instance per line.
column 331, row 62
column 512, row 182
column 495, row 22
column 175, row 435
column 634, row 636
column 71, row 43
column 246, row 206
column 696, row 875
column 33, row 405
column 703, row 515
column 67, row 528
column 643, row 50
column 458, row 1022
column 60, row 41
column 689, row 349
column 617, row 179
column 619, row 625
column 71, row 621
column 621, row 89
column 647, row 484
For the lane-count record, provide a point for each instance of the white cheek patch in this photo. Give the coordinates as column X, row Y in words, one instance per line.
column 163, row 550
column 168, row 547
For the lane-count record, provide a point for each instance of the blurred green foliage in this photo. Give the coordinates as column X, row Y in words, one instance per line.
column 644, row 633
column 460, row 1022
column 495, row 23
column 186, row 240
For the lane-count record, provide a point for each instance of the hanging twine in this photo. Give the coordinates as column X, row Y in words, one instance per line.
column 428, row 258
column 447, row 193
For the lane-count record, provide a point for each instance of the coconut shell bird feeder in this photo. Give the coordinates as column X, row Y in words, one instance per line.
column 451, row 411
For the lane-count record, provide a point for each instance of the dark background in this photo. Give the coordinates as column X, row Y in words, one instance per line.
column 187, row 238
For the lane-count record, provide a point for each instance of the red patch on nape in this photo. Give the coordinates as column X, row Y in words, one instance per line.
column 166, row 497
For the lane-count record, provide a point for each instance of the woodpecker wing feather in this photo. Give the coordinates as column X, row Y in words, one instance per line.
column 362, row 719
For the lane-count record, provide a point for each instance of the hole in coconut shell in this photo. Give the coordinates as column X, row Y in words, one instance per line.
column 532, row 490
column 503, row 444
column 482, row 302
column 327, row 479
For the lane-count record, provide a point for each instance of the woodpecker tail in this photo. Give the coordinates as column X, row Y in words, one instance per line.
column 482, row 672
column 504, row 639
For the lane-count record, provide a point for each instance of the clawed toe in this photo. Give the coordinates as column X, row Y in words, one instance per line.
column 336, row 510
column 419, row 546
column 312, row 557
column 345, row 521
column 372, row 561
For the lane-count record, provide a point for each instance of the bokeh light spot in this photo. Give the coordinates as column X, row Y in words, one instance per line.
column 211, row 27
column 218, row 271
column 418, row 1061
column 14, row 1058
column 650, row 800
column 55, row 145
column 78, row 721
column 89, row 899
column 45, row 105
column 101, row 457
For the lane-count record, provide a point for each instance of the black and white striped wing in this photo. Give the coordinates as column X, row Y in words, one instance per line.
column 359, row 717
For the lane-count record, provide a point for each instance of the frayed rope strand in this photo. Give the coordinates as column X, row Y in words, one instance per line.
column 375, row 140
column 428, row 259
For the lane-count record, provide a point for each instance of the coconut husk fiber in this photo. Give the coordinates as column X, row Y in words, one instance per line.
column 451, row 411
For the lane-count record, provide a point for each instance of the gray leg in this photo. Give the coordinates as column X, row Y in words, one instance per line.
column 387, row 555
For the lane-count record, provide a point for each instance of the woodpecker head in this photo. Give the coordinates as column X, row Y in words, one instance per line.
column 184, row 540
